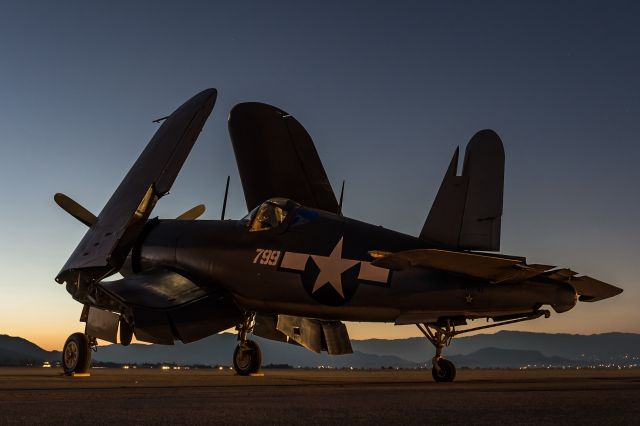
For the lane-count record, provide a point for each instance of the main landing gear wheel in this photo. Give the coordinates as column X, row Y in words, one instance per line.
column 76, row 354
column 247, row 358
column 443, row 370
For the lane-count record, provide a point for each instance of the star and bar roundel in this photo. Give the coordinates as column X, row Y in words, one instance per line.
column 333, row 280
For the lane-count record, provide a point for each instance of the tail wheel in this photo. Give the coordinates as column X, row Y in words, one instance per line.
column 247, row 358
column 445, row 372
column 76, row 354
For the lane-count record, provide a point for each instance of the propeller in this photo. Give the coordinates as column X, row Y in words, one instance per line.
column 75, row 209
column 85, row 216
column 193, row 213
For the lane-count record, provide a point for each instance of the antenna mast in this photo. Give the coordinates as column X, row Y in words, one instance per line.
column 224, row 203
column 341, row 195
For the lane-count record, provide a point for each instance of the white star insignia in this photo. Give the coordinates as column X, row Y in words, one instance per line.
column 331, row 269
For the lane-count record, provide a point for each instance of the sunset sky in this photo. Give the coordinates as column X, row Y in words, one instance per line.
column 387, row 90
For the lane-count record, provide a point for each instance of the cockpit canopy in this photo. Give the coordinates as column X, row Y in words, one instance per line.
column 270, row 214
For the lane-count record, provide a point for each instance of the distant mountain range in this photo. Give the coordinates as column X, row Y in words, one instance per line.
column 594, row 347
column 510, row 358
column 505, row 349
column 16, row 351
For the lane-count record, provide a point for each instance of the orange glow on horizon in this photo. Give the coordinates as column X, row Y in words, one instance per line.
column 50, row 338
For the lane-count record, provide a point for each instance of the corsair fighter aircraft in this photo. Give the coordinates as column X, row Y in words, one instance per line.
column 295, row 267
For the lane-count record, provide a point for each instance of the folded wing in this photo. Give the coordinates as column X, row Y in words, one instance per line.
column 104, row 247
column 276, row 158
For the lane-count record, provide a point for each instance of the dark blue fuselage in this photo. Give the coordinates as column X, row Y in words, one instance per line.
column 318, row 265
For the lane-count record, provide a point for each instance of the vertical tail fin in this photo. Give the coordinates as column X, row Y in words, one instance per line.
column 466, row 212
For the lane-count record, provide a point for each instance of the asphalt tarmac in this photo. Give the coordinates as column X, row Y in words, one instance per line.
column 137, row 396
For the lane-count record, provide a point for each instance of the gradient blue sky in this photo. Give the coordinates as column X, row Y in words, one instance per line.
column 386, row 89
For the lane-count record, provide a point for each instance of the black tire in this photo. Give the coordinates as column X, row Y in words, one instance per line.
column 247, row 358
column 76, row 354
column 126, row 333
column 445, row 373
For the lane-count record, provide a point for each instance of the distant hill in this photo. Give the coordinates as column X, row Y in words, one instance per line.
column 19, row 351
column 508, row 358
column 506, row 349
column 594, row 347
column 218, row 349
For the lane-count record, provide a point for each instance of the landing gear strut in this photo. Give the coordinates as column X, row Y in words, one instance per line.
column 247, row 357
column 443, row 370
column 440, row 336
column 76, row 353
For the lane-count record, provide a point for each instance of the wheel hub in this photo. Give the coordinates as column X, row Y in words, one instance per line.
column 244, row 358
column 71, row 355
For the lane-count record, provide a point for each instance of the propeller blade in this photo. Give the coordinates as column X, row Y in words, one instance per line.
column 193, row 213
column 75, row 209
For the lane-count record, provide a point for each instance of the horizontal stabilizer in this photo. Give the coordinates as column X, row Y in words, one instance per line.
column 589, row 289
column 495, row 269
column 75, row 209
column 592, row 290
column 466, row 213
